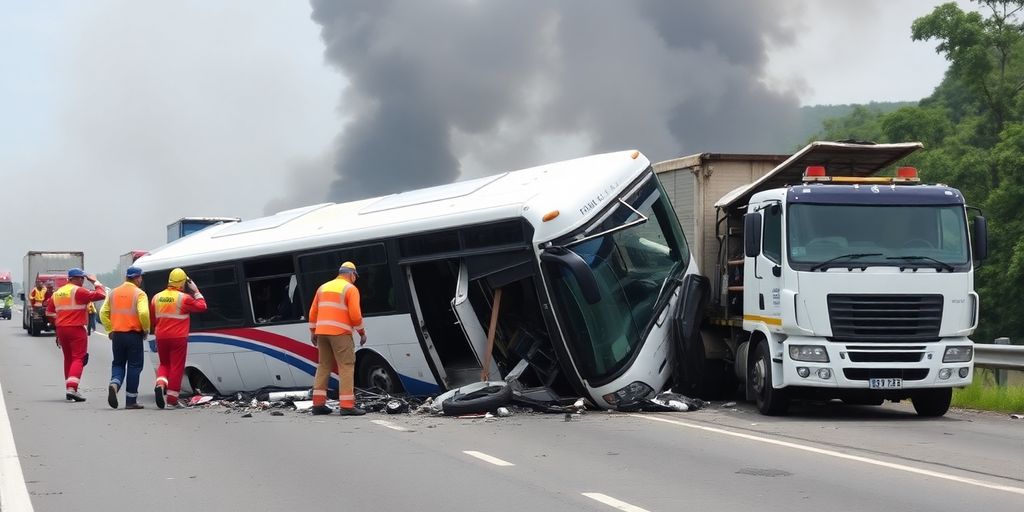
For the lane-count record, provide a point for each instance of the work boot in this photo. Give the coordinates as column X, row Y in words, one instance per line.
column 74, row 395
column 351, row 411
column 134, row 406
column 159, row 392
column 320, row 410
column 112, row 395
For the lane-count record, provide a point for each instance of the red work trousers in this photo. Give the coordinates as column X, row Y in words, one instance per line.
column 74, row 342
column 172, row 353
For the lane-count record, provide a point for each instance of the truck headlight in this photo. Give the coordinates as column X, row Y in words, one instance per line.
column 631, row 393
column 958, row 354
column 813, row 353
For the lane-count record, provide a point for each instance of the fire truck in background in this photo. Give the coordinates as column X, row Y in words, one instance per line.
column 45, row 266
column 6, row 290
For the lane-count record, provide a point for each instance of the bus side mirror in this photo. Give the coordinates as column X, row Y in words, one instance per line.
column 752, row 234
column 980, row 238
column 579, row 268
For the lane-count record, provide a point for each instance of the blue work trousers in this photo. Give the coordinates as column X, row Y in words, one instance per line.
column 127, row 348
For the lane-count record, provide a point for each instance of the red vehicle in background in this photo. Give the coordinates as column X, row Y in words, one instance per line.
column 45, row 266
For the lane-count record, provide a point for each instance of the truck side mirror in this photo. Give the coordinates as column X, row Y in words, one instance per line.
column 21, row 296
column 579, row 268
column 752, row 234
column 980, row 239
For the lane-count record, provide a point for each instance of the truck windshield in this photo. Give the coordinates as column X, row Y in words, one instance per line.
column 6, row 289
column 931, row 236
column 630, row 266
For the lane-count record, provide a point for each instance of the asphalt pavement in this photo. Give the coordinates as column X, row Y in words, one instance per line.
column 86, row 456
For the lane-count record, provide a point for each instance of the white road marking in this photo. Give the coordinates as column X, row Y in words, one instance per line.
column 13, row 492
column 840, row 455
column 487, row 458
column 614, row 503
column 392, row 426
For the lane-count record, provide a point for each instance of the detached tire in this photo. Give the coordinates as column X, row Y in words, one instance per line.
column 770, row 401
column 932, row 403
column 484, row 400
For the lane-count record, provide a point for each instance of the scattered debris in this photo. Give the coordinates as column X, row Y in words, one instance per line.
column 664, row 402
column 276, row 413
column 247, row 415
column 199, row 400
column 729, row 404
column 1017, row 416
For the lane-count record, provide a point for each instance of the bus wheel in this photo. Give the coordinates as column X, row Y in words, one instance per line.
column 374, row 372
column 770, row 401
column 199, row 383
column 932, row 403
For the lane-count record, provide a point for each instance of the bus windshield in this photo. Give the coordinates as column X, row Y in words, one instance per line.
column 911, row 236
column 630, row 266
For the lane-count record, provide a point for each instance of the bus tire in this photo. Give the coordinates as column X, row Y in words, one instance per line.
column 932, row 403
column 484, row 400
column 770, row 401
column 199, row 383
column 372, row 371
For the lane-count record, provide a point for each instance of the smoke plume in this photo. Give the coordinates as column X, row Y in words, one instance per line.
column 450, row 88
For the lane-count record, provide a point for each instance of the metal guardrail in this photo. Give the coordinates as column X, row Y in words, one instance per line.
column 1001, row 357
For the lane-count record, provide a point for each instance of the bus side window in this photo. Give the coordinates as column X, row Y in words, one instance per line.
column 273, row 290
column 376, row 287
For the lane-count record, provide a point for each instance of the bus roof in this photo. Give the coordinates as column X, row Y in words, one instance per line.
column 577, row 189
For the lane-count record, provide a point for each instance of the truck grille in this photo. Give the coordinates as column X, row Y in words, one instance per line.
column 885, row 318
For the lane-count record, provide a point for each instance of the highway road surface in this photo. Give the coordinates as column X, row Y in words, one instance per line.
column 87, row 456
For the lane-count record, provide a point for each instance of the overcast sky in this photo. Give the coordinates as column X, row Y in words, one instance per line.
column 119, row 117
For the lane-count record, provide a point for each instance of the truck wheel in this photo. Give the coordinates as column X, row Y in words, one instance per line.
column 770, row 401
column 931, row 403
column 33, row 329
column 374, row 372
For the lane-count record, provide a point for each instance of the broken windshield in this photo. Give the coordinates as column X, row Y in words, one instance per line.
column 630, row 266
column 901, row 236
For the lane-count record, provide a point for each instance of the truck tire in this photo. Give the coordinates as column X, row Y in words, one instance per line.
column 932, row 403
column 770, row 401
column 34, row 329
column 484, row 400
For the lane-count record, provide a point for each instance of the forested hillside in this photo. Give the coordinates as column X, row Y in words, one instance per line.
column 972, row 127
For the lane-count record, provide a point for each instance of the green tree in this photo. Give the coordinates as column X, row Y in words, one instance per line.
column 984, row 53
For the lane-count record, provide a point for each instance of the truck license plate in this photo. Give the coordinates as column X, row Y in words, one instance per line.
column 885, row 383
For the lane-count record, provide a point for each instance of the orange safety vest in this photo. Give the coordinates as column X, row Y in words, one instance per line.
column 171, row 322
column 37, row 297
column 124, row 308
column 332, row 314
column 69, row 312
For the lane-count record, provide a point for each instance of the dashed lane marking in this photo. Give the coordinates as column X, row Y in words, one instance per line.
column 13, row 492
column 840, row 455
column 392, row 426
column 614, row 503
column 487, row 458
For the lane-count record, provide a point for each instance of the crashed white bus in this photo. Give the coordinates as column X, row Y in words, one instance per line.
column 583, row 260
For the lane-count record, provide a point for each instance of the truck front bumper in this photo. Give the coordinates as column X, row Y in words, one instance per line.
column 854, row 365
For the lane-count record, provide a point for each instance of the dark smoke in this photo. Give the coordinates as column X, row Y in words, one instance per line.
column 433, row 84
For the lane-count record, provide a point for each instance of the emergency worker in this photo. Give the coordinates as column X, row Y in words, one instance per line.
column 125, row 316
column 170, row 311
column 334, row 315
column 68, row 305
column 91, row 311
column 37, row 297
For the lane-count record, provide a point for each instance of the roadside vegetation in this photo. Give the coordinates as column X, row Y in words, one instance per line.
column 984, row 394
column 972, row 127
